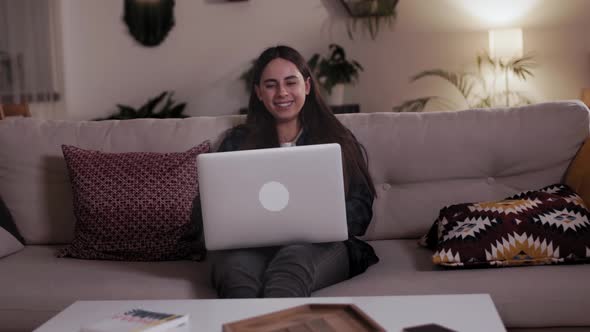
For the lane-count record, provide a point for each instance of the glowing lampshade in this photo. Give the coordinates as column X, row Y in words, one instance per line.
column 497, row 13
column 506, row 43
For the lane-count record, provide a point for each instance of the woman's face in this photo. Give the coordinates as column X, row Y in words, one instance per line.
column 282, row 89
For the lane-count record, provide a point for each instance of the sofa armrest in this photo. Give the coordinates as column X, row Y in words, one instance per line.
column 578, row 173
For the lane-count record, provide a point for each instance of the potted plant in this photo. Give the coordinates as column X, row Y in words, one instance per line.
column 148, row 110
column 334, row 72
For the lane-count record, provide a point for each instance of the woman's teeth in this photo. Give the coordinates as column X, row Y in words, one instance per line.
column 286, row 104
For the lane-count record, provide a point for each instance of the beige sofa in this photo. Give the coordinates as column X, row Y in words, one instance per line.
column 419, row 162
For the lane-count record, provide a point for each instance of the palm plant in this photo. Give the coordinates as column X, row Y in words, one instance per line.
column 475, row 87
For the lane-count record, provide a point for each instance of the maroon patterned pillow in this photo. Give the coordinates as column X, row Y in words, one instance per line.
column 134, row 206
column 546, row 226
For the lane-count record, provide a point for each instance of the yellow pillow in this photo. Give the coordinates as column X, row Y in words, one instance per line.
column 578, row 173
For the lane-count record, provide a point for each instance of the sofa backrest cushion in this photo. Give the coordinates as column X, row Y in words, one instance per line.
column 420, row 162
column 34, row 180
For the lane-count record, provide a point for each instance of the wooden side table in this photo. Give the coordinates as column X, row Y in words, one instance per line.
column 586, row 96
column 14, row 110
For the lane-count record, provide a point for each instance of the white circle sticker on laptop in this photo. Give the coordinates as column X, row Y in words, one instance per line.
column 273, row 196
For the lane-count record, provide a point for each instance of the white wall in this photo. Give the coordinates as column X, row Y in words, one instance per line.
column 214, row 41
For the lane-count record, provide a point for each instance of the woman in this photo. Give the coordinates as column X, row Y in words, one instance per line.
column 286, row 109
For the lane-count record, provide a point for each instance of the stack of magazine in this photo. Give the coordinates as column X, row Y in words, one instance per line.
column 139, row 320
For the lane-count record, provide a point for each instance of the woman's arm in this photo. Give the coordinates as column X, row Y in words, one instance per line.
column 232, row 139
column 359, row 202
column 359, row 209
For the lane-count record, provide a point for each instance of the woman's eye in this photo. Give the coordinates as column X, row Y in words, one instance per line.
column 269, row 86
column 291, row 83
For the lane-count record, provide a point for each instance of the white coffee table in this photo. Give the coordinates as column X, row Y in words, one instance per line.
column 474, row 312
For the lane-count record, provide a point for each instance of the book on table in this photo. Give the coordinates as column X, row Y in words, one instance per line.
column 138, row 320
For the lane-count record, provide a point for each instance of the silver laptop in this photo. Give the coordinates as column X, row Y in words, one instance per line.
column 276, row 196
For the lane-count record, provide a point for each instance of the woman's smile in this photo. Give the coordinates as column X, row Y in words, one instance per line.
column 283, row 105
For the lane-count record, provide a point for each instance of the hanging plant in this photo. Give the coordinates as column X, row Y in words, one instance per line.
column 370, row 14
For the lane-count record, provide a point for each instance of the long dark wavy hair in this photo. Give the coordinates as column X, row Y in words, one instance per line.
column 317, row 119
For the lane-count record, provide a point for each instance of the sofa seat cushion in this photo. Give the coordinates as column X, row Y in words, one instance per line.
column 39, row 285
column 530, row 296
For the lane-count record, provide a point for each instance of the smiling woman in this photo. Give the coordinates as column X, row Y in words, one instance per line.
column 286, row 109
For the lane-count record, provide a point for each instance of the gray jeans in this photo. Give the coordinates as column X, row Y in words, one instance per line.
column 288, row 271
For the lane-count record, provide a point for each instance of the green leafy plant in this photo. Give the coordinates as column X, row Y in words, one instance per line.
column 335, row 69
column 479, row 88
column 170, row 109
column 371, row 14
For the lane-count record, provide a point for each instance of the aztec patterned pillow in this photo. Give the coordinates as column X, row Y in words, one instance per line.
column 10, row 239
column 546, row 226
column 134, row 206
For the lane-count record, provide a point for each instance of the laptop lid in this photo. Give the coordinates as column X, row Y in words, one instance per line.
column 276, row 196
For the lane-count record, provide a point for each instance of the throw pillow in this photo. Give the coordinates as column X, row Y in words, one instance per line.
column 134, row 206
column 578, row 173
column 545, row 226
column 10, row 239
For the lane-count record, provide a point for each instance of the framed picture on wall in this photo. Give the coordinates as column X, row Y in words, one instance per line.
column 149, row 22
